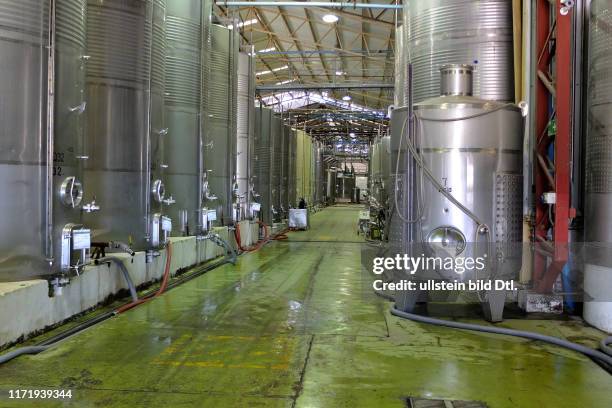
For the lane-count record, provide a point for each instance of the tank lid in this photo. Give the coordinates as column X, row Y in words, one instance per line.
column 456, row 80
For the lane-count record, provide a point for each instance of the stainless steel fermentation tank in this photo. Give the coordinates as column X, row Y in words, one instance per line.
column 331, row 175
column 263, row 163
column 26, row 243
column 71, row 239
column 292, row 169
column 245, row 130
column 345, row 184
column 319, row 175
column 477, row 32
column 285, row 200
column 379, row 171
column 188, row 32
column 125, row 121
column 598, row 226
column 401, row 91
column 598, row 174
column 220, row 133
column 276, row 166
column 473, row 149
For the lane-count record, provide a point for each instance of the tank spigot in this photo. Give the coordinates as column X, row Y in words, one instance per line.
column 91, row 207
column 169, row 201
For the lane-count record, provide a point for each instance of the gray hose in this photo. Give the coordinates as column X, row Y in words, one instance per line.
column 21, row 351
column 232, row 255
column 509, row 332
column 126, row 275
column 605, row 345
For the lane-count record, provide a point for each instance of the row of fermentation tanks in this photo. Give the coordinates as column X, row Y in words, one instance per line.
column 127, row 122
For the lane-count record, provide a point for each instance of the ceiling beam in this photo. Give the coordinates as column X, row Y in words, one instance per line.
column 323, row 86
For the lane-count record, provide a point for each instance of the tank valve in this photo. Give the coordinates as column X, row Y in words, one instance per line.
column 483, row 229
column 566, row 6
column 91, row 207
column 57, row 284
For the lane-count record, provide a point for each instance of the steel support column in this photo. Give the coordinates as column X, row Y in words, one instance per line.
column 554, row 45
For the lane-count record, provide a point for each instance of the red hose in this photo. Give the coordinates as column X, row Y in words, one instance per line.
column 162, row 286
column 280, row 236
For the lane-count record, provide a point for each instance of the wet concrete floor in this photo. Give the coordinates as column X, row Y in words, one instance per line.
column 295, row 324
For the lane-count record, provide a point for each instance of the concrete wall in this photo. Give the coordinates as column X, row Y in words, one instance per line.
column 25, row 307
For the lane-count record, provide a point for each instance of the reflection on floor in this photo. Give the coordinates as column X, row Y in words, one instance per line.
column 295, row 324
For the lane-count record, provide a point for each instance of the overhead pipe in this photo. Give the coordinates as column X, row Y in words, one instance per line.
column 297, row 87
column 341, row 4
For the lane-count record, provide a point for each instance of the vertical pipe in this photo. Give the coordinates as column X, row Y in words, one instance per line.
column 50, row 135
column 148, row 151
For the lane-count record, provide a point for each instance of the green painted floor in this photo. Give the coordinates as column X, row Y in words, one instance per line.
column 296, row 325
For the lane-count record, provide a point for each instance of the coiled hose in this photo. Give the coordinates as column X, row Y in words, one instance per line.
column 162, row 287
column 604, row 356
column 282, row 235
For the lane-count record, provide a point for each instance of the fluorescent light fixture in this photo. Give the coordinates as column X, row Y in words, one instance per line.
column 330, row 18
column 266, row 50
column 288, row 81
column 346, row 98
column 244, row 23
column 273, row 70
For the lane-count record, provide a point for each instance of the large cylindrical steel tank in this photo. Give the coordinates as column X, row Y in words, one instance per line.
column 25, row 245
column 69, row 147
column 473, row 150
column 345, row 186
column 276, row 165
column 477, row 32
column 285, row 168
column 220, row 140
column 380, row 163
column 245, row 129
column 125, row 72
column 292, row 170
column 330, row 185
column 319, row 174
column 263, row 163
column 182, row 110
column 598, row 203
column 400, row 94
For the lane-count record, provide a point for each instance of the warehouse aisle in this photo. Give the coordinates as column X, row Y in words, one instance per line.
column 296, row 325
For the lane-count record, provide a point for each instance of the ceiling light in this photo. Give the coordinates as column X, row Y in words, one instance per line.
column 330, row 18
column 340, row 73
column 288, row 81
column 273, row 70
column 351, row 134
column 244, row 23
column 346, row 98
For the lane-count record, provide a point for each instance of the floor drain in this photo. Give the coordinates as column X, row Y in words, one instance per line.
column 412, row 402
